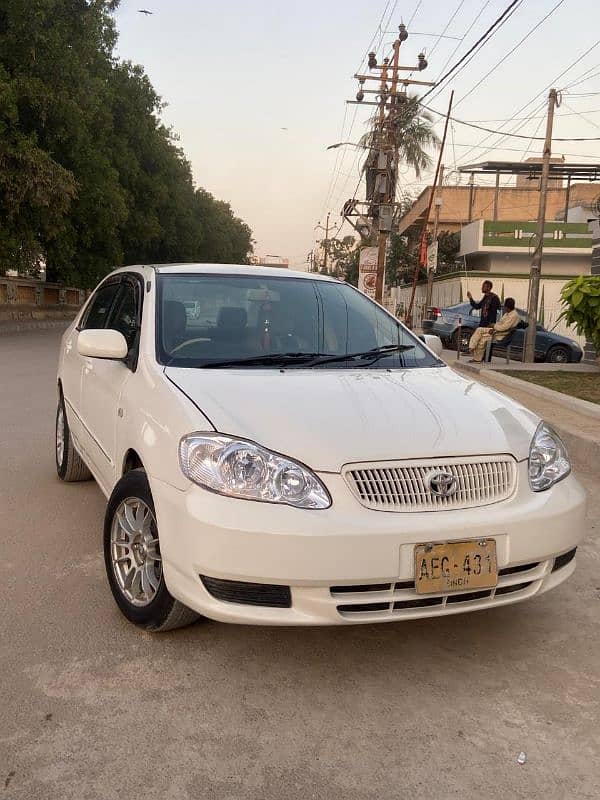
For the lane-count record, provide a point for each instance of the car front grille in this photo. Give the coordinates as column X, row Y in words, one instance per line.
column 404, row 485
column 390, row 600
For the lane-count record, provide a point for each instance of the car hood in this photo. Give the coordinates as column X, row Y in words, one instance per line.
column 328, row 418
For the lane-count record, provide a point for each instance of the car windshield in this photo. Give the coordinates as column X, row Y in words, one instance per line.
column 261, row 321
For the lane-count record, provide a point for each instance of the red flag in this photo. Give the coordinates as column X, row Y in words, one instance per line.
column 423, row 254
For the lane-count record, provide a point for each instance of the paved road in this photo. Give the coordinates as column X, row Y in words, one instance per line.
column 93, row 708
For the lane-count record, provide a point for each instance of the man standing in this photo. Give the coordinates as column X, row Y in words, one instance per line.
column 498, row 331
column 489, row 305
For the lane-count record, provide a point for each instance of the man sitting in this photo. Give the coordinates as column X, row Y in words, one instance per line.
column 497, row 332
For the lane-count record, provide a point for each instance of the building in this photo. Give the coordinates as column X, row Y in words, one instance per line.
column 461, row 205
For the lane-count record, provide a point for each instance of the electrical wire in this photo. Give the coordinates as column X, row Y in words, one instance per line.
column 479, row 43
column 529, row 102
column 450, row 21
column 414, row 14
column 583, row 117
column 514, row 135
column 466, row 33
column 341, row 155
column 580, row 78
column 510, row 52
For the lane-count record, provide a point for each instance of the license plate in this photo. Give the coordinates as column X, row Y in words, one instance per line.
column 455, row 566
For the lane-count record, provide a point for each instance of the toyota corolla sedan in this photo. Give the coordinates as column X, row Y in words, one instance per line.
column 290, row 454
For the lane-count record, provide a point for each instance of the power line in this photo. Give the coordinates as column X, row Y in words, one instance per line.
column 539, row 94
column 514, row 135
column 589, row 78
column 450, row 21
column 341, row 155
column 581, row 77
column 510, row 52
column 584, row 118
column 481, row 41
column 466, row 33
column 414, row 14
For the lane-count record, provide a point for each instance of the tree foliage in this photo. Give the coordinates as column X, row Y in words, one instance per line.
column 90, row 178
column 344, row 254
column 581, row 302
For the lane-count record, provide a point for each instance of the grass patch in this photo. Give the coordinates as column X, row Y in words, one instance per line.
column 585, row 385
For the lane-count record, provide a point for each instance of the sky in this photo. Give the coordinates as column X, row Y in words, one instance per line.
column 256, row 92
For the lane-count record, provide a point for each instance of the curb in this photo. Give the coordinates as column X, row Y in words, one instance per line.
column 33, row 325
column 572, row 403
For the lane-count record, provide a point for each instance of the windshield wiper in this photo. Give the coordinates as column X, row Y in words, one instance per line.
column 368, row 355
column 267, row 359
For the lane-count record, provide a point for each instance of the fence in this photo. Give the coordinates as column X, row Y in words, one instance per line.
column 24, row 298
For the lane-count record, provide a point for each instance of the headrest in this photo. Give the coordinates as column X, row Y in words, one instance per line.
column 174, row 316
column 232, row 317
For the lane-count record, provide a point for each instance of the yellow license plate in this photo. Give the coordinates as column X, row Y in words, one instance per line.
column 455, row 566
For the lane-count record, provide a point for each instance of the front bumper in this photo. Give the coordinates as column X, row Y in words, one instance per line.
column 317, row 552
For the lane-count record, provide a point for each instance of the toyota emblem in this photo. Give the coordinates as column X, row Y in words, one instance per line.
column 442, row 484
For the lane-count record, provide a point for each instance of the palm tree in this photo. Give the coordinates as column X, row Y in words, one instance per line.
column 412, row 134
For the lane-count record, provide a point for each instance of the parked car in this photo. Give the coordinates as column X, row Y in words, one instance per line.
column 300, row 458
column 549, row 346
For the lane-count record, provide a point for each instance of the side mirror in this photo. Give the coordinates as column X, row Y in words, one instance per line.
column 102, row 344
column 433, row 343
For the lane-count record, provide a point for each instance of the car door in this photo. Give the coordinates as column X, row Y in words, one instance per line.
column 103, row 381
column 95, row 315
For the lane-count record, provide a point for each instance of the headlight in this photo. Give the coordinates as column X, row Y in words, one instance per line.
column 238, row 468
column 548, row 459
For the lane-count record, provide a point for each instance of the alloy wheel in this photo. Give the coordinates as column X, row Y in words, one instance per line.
column 60, row 435
column 135, row 552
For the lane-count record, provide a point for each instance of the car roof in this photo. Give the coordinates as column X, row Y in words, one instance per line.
column 224, row 269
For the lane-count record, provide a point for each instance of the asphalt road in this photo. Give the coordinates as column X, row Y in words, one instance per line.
column 93, row 708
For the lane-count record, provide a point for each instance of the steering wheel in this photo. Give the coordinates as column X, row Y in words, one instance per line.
column 187, row 343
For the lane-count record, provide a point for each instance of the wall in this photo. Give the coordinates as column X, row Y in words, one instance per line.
column 22, row 299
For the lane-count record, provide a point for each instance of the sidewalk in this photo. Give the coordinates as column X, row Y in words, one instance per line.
column 499, row 363
column 577, row 421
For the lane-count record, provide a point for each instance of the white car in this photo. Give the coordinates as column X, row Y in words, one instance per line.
column 300, row 457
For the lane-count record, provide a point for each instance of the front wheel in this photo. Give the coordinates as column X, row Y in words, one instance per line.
column 558, row 355
column 133, row 560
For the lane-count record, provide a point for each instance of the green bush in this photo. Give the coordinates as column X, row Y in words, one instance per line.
column 581, row 300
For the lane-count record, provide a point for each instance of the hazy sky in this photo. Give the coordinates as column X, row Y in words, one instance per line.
column 236, row 74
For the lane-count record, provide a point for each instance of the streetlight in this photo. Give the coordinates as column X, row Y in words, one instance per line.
column 346, row 144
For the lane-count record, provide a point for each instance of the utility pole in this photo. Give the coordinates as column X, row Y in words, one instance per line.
column 383, row 149
column 324, row 242
column 436, row 221
column 536, row 263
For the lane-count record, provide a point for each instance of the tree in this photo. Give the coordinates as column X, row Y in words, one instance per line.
column 341, row 254
column 448, row 247
column 401, row 261
column 89, row 176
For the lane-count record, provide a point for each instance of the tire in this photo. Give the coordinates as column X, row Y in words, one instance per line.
column 558, row 355
column 136, row 579
column 69, row 464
